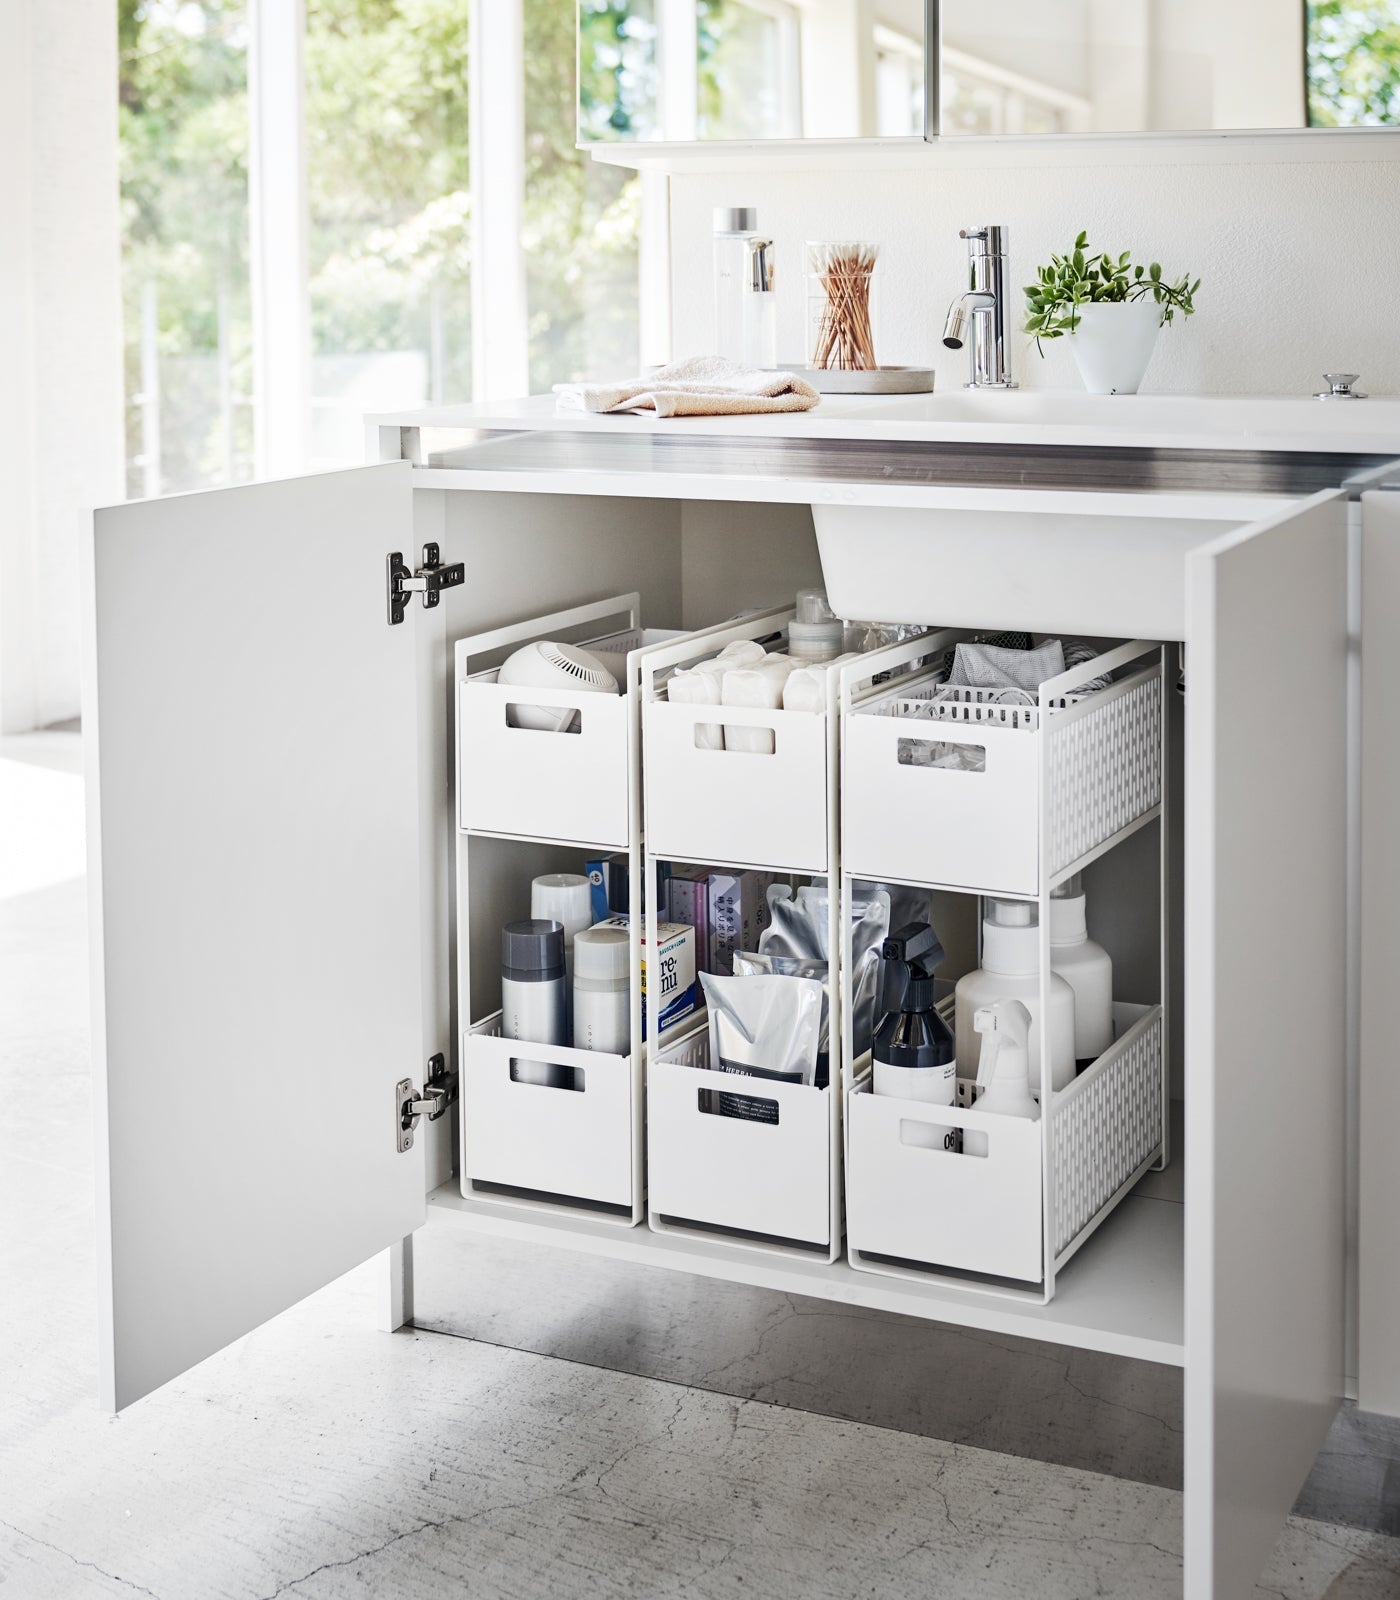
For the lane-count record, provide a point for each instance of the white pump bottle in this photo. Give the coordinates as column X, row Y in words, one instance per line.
column 1004, row 1070
column 1010, row 970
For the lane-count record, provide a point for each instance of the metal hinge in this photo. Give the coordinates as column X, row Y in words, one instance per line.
column 429, row 580
column 439, row 1091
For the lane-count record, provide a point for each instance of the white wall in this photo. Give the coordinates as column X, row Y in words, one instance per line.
column 1300, row 261
column 61, row 443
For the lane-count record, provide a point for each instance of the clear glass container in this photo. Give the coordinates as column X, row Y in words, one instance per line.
column 735, row 228
column 842, row 291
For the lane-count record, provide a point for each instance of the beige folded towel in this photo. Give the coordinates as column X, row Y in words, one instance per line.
column 704, row 386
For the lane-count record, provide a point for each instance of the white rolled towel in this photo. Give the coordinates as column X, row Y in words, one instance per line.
column 805, row 689
column 739, row 653
column 699, row 686
column 760, row 686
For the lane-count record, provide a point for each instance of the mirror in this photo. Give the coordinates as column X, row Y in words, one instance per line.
column 750, row 69
column 686, row 70
column 1101, row 66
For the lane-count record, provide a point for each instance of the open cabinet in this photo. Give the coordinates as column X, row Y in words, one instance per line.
column 273, row 817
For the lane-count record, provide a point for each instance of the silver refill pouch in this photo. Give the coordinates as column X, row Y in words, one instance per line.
column 756, row 964
column 766, row 1026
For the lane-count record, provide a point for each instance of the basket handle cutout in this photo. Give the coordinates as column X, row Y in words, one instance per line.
column 941, row 754
column 546, row 1075
column 742, row 1107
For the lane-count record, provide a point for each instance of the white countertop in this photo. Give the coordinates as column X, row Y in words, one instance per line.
column 1028, row 416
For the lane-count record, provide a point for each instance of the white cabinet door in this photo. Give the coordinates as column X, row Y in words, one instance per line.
column 1378, row 1270
column 1266, row 817
column 254, row 750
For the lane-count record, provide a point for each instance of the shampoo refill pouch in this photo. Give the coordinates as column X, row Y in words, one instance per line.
column 763, row 1027
column 752, row 964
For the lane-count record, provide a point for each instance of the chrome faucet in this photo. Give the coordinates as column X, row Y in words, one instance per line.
column 985, row 303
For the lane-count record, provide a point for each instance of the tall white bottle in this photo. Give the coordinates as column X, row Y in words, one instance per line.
column 1087, row 968
column 1010, row 970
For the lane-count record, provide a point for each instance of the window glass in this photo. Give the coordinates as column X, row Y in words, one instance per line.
column 581, row 218
column 1353, row 63
column 183, row 119
column 390, row 212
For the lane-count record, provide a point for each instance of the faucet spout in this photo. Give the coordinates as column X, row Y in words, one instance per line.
column 955, row 327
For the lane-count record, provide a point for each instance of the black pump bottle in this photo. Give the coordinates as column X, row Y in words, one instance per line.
column 911, row 1033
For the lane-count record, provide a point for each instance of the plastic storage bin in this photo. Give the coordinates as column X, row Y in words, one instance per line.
column 737, row 807
column 774, row 1182
column 913, row 1204
column 576, row 1142
column 1040, row 786
column 527, row 783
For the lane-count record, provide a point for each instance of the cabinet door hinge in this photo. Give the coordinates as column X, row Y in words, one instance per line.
column 439, row 1091
column 429, row 580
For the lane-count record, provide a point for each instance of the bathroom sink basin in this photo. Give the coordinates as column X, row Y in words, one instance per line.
column 1224, row 421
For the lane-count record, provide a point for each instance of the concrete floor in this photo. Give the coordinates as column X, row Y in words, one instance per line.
column 320, row 1458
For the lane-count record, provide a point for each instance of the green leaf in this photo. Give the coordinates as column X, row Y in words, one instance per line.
column 1081, row 241
column 1155, row 272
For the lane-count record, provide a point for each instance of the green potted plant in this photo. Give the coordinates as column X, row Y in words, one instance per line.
column 1112, row 310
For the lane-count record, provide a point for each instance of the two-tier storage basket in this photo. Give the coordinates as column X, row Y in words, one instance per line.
column 954, row 791
column 576, row 1139
column 768, row 1181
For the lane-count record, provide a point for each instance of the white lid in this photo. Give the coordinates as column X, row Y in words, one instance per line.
column 1011, row 938
column 601, row 953
column 563, row 897
column 1069, row 921
column 1013, row 914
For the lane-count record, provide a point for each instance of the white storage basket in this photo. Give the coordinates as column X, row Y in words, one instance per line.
column 772, row 1176
column 575, row 1143
column 738, row 807
column 977, row 824
column 912, row 1203
column 527, row 783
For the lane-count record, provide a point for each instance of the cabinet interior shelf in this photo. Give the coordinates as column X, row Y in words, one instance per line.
column 1123, row 1294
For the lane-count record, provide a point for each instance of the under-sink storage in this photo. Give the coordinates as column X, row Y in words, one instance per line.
column 762, row 800
column 570, row 1137
column 917, row 1197
column 754, row 1158
column 952, row 787
column 541, row 782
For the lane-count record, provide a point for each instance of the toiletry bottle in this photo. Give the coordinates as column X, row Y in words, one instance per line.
column 816, row 634
column 565, row 898
column 735, row 226
column 1087, row 968
column 914, row 1055
column 533, row 993
column 602, row 994
column 760, row 308
column 1010, row 970
column 1003, row 1072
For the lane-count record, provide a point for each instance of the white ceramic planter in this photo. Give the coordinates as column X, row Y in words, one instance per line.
column 1114, row 343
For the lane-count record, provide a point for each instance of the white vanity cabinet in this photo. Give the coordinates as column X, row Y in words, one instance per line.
column 272, row 828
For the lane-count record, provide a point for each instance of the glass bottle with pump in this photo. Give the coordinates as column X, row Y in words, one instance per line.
column 734, row 228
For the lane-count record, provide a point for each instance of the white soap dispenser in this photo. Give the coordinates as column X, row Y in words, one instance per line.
column 1010, row 970
column 1004, row 1070
column 1087, row 968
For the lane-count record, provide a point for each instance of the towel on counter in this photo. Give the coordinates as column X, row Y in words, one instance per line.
column 704, row 386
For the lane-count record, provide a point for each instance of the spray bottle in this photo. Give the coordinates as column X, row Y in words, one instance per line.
column 914, row 1053
column 1004, row 1071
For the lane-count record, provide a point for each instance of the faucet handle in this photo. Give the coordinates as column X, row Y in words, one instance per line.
column 1340, row 387
column 986, row 241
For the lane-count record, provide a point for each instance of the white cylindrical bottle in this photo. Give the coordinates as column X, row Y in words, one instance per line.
column 533, row 993
column 1087, row 968
column 602, row 992
column 565, row 898
column 1010, row 970
column 734, row 227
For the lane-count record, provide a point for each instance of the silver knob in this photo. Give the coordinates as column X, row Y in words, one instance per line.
column 1341, row 387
